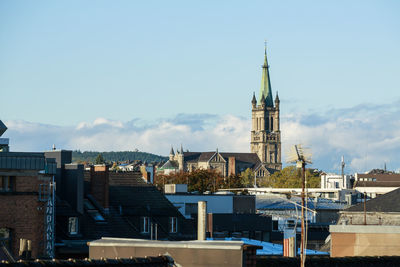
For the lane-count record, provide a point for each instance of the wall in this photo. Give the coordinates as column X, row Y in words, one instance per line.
column 23, row 213
column 184, row 253
column 375, row 218
column 364, row 240
column 244, row 204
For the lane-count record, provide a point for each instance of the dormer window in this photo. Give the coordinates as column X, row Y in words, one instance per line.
column 145, row 225
column 6, row 183
column 73, row 225
column 173, row 224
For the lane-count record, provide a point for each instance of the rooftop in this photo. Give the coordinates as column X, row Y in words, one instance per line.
column 388, row 202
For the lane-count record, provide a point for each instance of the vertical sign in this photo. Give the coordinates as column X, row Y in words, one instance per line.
column 49, row 221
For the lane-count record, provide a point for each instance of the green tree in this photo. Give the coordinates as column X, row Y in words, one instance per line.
column 247, row 178
column 99, row 159
column 198, row 180
column 290, row 177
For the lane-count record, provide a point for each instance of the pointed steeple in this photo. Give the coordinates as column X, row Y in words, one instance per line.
column 265, row 82
column 262, row 100
column 254, row 100
column 181, row 150
column 171, row 154
column 277, row 101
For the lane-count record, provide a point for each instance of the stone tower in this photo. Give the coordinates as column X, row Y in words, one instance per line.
column 265, row 129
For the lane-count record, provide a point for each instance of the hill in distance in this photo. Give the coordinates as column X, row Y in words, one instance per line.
column 113, row 156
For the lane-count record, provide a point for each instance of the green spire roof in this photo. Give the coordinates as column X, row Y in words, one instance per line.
column 266, row 83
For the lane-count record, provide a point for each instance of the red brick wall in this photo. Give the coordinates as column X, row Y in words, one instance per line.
column 23, row 214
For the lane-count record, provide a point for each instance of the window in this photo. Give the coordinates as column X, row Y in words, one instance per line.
column 275, row 225
column 73, row 225
column 6, row 183
column 144, row 224
column 173, row 225
column 5, row 237
column 272, row 124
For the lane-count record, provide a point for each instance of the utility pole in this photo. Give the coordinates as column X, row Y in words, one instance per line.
column 301, row 158
column 303, row 173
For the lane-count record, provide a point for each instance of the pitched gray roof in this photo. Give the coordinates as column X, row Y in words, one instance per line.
column 170, row 164
column 389, row 202
column 205, row 156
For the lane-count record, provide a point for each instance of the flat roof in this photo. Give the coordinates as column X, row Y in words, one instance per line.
column 130, row 242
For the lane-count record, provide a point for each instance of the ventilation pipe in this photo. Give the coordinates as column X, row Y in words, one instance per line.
column 201, row 220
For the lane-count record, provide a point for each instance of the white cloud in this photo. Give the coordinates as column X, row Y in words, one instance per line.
column 367, row 135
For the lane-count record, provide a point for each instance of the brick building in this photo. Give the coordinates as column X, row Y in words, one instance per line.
column 24, row 196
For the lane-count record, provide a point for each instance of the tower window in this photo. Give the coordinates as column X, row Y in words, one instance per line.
column 272, row 124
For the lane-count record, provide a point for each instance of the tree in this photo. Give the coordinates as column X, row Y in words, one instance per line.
column 198, row 180
column 247, row 178
column 99, row 159
column 290, row 177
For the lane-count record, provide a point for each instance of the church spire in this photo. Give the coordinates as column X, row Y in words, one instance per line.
column 265, row 81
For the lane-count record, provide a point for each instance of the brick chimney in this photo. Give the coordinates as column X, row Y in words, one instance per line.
column 231, row 166
column 99, row 184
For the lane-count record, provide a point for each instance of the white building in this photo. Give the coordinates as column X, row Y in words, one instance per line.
column 332, row 180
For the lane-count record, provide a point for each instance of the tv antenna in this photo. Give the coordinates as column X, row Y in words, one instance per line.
column 301, row 157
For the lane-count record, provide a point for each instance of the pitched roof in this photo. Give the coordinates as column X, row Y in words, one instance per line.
column 170, row 164
column 389, row 202
column 205, row 156
column 276, row 202
column 142, row 201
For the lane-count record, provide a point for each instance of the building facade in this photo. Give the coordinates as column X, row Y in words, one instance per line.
column 265, row 129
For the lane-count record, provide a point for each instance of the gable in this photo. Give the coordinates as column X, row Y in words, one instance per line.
column 217, row 158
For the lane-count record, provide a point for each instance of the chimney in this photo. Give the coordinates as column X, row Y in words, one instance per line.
column 231, row 166
column 99, row 184
column 201, row 220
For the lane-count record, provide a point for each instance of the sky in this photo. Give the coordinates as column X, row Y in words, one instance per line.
column 121, row 75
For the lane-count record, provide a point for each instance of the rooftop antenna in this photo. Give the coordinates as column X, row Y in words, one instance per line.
column 301, row 157
column 54, row 146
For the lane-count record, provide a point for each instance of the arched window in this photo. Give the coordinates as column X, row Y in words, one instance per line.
column 267, row 124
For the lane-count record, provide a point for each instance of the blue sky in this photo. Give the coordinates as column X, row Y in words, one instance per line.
column 138, row 65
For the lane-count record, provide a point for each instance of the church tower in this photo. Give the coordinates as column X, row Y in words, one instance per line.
column 265, row 129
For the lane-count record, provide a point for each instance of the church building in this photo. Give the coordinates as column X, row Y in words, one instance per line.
column 265, row 129
column 265, row 143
